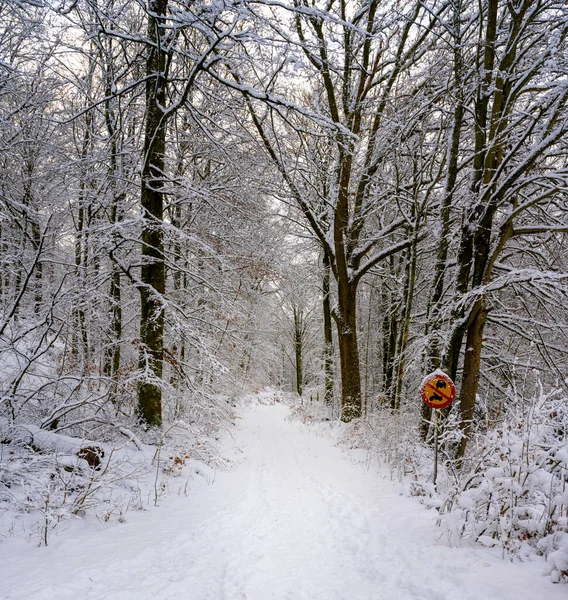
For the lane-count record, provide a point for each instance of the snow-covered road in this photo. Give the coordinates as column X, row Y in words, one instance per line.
column 295, row 520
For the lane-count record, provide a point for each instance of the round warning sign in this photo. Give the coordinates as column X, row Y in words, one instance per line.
column 438, row 390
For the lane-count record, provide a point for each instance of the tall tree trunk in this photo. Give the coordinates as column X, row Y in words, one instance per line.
column 81, row 248
column 152, row 278
column 178, row 348
column 390, row 335
column 409, row 283
column 492, row 110
column 368, row 338
column 112, row 358
column 298, row 348
column 433, row 324
column 486, row 57
column 351, row 398
column 327, row 333
column 471, row 367
column 38, row 284
column 116, row 296
column 82, row 345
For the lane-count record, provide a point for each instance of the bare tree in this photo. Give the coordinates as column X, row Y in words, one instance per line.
column 354, row 85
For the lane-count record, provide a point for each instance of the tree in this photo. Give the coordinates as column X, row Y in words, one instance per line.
column 517, row 129
column 354, row 84
column 152, row 275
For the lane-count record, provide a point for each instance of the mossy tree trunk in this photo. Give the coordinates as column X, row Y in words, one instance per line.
column 152, row 280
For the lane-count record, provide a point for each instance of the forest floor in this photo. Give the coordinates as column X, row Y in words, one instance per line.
column 296, row 518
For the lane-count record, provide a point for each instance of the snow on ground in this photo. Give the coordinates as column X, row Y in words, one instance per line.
column 295, row 519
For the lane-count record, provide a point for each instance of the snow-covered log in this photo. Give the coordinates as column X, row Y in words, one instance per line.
column 48, row 441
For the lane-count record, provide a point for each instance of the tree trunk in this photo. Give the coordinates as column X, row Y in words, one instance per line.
column 115, row 294
column 433, row 324
column 470, row 382
column 327, row 333
column 152, row 277
column 467, row 251
column 348, row 352
column 409, row 284
column 368, row 338
column 390, row 336
column 112, row 358
column 36, row 242
column 298, row 348
column 82, row 344
column 351, row 397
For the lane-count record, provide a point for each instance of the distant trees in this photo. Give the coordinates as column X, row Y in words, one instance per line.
column 352, row 87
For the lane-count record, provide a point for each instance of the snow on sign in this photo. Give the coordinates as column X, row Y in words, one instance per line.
column 438, row 390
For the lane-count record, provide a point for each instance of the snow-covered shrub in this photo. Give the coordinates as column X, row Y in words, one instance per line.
column 41, row 488
column 308, row 408
column 391, row 438
column 513, row 493
column 48, row 478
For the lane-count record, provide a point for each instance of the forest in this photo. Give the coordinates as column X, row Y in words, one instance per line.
column 332, row 198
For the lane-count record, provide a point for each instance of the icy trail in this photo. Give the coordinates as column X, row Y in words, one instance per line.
column 294, row 520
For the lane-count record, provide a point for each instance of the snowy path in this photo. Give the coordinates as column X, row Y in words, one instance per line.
column 295, row 520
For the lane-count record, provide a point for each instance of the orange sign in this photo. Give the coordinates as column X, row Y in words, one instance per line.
column 438, row 390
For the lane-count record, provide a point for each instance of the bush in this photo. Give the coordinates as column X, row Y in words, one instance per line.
column 514, row 495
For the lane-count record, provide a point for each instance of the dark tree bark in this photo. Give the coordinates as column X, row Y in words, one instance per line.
column 327, row 333
column 152, row 286
column 433, row 324
column 299, row 331
column 498, row 91
column 112, row 355
column 408, row 297
column 351, row 398
column 81, row 345
column 471, row 367
column 389, row 336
